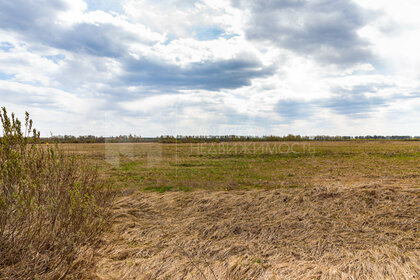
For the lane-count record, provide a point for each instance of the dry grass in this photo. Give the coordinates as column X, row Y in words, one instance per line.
column 351, row 210
column 368, row 232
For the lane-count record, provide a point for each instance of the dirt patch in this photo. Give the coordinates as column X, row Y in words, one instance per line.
column 369, row 232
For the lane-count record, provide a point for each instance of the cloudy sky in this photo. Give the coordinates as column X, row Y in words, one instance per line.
column 153, row 67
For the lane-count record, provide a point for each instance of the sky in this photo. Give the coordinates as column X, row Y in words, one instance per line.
column 212, row 67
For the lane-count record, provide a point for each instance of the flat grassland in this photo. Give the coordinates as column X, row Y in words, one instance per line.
column 267, row 210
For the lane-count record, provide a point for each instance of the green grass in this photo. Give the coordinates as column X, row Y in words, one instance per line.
column 144, row 166
column 159, row 189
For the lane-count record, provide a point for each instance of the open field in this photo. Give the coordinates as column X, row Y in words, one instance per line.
column 304, row 210
column 236, row 166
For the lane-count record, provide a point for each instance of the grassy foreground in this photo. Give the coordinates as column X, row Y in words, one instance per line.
column 304, row 210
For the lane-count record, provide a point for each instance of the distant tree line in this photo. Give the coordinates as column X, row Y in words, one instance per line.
column 96, row 139
column 213, row 138
column 290, row 137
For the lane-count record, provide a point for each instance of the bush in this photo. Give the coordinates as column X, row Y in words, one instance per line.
column 51, row 205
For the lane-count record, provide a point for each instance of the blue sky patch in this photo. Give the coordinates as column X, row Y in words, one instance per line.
column 6, row 46
column 207, row 33
column 55, row 58
column 104, row 5
column 4, row 76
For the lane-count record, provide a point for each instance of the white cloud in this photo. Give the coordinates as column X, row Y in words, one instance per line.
column 195, row 67
column 26, row 66
column 394, row 35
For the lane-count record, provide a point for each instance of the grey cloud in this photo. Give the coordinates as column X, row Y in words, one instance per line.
column 356, row 102
column 21, row 15
column 209, row 75
column 26, row 98
column 411, row 95
column 323, row 29
column 363, row 88
column 358, row 106
column 291, row 110
column 35, row 21
column 103, row 40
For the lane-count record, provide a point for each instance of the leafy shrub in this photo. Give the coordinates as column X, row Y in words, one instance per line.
column 51, row 205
